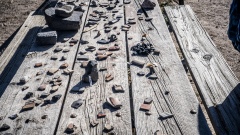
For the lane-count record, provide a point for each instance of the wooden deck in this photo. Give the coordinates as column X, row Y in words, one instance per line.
column 171, row 92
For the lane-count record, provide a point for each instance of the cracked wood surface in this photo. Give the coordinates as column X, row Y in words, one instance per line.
column 171, row 77
column 216, row 82
column 11, row 102
column 95, row 96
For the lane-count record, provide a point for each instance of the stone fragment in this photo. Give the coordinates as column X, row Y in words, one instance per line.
column 153, row 77
column 39, row 73
column 66, row 50
column 28, row 106
column 109, row 77
column 83, row 57
column 55, row 98
column 126, row 1
column 82, row 52
column 68, row 71
column 165, row 115
column 148, row 4
column 38, row 64
column 64, row 11
column 44, row 95
column 114, row 48
column 193, row 111
column 156, row 52
column 145, row 107
column 102, row 57
column 64, row 65
column 108, row 127
column 44, row 116
column 94, row 123
column 72, row 22
column 141, row 73
column 13, row 117
column 102, row 48
column 103, row 41
column 157, row 133
column 148, row 100
column 118, row 114
column 101, row 115
column 24, row 79
column 42, row 87
column 103, row 69
column 73, row 115
column 28, row 95
column 24, row 88
column 148, row 19
column 118, row 88
column 47, row 38
column 148, row 113
column 54, row 88
column 58, row 49
column 138, row 63
column 84, row 64
column 63, row 58
column 4, row 127
column 76, row 104
column 70, row 128
column 54, row 57
column 52, row 71
column 114, row 102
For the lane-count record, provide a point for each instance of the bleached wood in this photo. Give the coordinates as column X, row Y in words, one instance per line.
column 216, row 82
column 172, row 77
column 12, row 101
column 95, row 96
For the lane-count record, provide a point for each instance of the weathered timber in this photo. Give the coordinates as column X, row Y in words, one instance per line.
column 95, row 96
column 12, row 100
column 216, row 82
column 172, row 91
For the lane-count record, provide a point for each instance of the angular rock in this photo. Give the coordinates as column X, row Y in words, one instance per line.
column 64, row 11
column 12, row 117
column 108, row 127
column 64, row 65
column 24, row 79
column 101, row 115
column 141, row 73
column 38, row 64
column 145, row 107
column 118, row 88
column 52, row 71
column 148, row 100
column 28, row 106
column 70, row 128
column 94, row 123
column 44, row 95
column 4, row 127
column 42, row 87
column 68, row 71
column 138, row 63
column 83, row 57
column 114, row 102
column 165, row 115
column 109, row 77
column 47, row 38
column 55, row 98
column 72, row 22
column 76, row 104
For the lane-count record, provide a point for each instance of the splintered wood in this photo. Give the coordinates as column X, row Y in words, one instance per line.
column 217, row 83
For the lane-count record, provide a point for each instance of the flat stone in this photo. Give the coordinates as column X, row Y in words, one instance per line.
column 138, row 63
column 114, row 102
column 156, row 52
column 68, row 71
column 72, row 22
column 148, row 113
column 193, row 111
column 28, row 106
column 153, row 77
column 83, row 57
column 82, row 52
column 84, row 64
column 101, row 115
column 39, row 64
column 64, row 11
column 54, row 88
column 44, row 95
column 73, row 115
column 76, row 104
column 44, row 116
column 103, row 69
column 114, row 48
column 46, row 38
column 54, row 57
column 141, row 73
column 42, row 87
column 102, row 48
column 165, row 115
column 52, row 71
column 39, row 73
column 70, row 128
column 157, row 133
column 145, row 107
column 58, row 49
column 118, row 88
column 55, row 98
column 148, row 19
column 109, row 77
column 102, row 57
column 126, row 1
column 64, row 65
column 24, row 88
column 148, row 100
column 66, row 50
column 13, row 117
column 94, row 123
column 108, row 127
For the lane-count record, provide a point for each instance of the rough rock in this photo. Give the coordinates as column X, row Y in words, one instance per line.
column 47, row 38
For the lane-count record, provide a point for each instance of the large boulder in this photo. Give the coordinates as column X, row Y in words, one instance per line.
column 55, row 22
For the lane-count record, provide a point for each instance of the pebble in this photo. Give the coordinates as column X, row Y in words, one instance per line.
column 148, row 113
column 73, row 115
column 118, row 114
column 193, row 111
column 52, row 71
column 42, row 87
column 58, row 49
column 54, row 57
column 44, row 116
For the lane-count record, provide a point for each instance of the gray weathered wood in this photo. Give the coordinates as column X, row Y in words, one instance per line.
column 12, row 101
column 95, row 96
column 172, row 77
column 217, row 83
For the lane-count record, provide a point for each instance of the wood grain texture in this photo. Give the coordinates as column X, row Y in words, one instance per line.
column 216, row 82
column 171, row 77
column 11, row 102
column 95, row 96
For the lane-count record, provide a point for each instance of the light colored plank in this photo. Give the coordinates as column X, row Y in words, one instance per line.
column 95, row 96
column 12, row 99
column 217, row 83
column 172, row 77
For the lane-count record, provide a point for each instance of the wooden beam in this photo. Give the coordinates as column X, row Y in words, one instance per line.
column 95, row 96
column 171, row 78
column 12, row 100
column 216, row 82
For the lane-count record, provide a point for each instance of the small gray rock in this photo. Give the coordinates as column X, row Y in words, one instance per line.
column 47, row 38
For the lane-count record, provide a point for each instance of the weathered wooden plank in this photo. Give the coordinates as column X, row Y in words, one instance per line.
column 216, row 82
column 171, row 78
column 95, row 96
column 11, row 102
